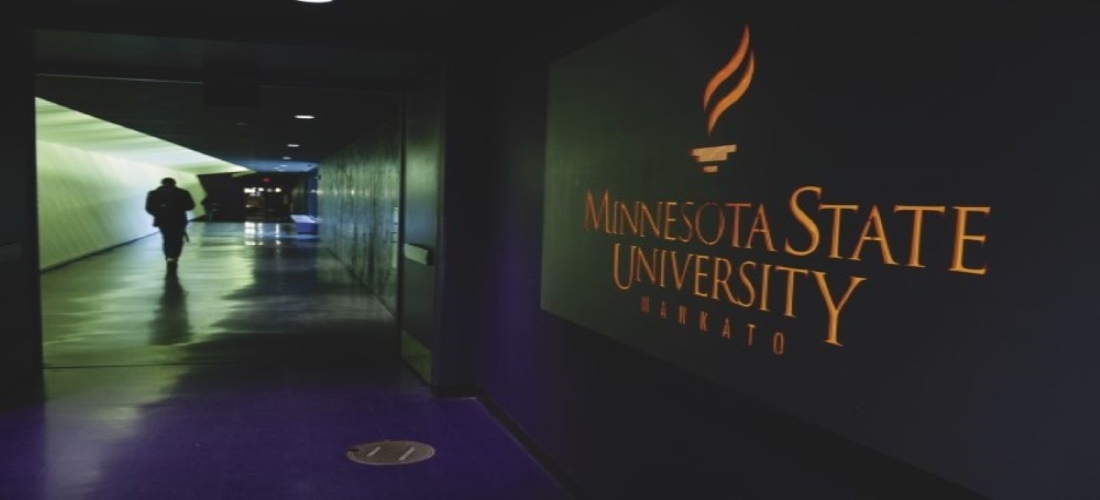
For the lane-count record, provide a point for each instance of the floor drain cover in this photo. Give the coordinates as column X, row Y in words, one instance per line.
column 390, row 453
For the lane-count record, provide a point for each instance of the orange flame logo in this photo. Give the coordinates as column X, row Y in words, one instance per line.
column 724, row 74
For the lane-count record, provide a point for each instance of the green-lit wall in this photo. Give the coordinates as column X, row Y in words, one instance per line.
column 88, row 202
column 360, row 190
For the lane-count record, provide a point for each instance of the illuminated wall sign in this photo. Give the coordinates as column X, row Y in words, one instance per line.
column 708, row 263
column 860, row 224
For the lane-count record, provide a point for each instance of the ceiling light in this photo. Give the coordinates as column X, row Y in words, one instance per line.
column 286, row 157
column 315, row 1
column 304, row 117
column 292, row 145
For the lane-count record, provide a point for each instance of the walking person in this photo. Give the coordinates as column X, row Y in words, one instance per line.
column 169, row 205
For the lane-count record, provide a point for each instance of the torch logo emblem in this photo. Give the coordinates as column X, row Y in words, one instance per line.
column 743, row 61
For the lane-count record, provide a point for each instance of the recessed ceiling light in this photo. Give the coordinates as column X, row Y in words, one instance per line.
column 315, row 1
column 292, row 145
column 304, row 117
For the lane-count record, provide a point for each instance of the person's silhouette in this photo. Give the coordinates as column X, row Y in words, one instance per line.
column 169, row 205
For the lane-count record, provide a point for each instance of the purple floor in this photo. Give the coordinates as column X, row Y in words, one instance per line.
column 247, row 377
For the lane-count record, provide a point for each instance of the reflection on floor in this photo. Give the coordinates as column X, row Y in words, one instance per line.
column 246, row 375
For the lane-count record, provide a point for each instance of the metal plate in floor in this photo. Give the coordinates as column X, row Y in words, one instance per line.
column 390, row 453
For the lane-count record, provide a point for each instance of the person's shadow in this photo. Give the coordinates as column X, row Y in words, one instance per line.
column 171, row 324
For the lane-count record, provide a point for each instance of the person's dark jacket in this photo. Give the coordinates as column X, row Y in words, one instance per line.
column 169, row 205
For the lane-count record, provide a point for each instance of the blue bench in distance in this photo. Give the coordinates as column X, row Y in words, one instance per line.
column 304, row 224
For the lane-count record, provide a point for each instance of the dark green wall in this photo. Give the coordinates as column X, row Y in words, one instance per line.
column 467, row 201
column 20, row 333
column 446, row 200
column 360, row 189
column 422, row 197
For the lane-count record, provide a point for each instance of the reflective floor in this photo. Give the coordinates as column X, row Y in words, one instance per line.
column 247, row 375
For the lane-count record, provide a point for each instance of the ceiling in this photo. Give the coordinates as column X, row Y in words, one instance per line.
column 60, row 125
column 225, row 78
column 257, row 137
